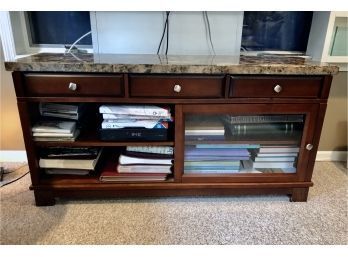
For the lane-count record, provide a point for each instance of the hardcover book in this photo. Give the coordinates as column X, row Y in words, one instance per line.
column 110, row 173
column 84, row 164
column 66, row 127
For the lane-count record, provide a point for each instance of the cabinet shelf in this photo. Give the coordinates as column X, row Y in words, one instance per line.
column 90, row 138
column 70, row 180
column 95, row 142
column 264, row 140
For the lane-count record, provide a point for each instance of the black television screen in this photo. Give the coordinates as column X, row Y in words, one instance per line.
column 59, row 27
column 276, row 31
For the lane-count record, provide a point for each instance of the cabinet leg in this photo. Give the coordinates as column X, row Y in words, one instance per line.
column 44, row 198
column 299, row 195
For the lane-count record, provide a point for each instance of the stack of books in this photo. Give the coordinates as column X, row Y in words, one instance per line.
column 255, row 125
column 45, row 130
column 204, row 129
column 58, row 122
column 66, row 111
column 134, row 122
column 275, row 158
column 139, row 164
column 219, row 158
column 69, row 161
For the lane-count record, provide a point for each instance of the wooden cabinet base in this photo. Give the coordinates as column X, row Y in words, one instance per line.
column 44, row 198
column 299, row 195
column 47, row 198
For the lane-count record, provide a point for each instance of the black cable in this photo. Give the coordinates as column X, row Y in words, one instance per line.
column 167, row 32
column 2, row 172
column 209, row 32
column 15, row 180
column 164, row 31
column 9, row 172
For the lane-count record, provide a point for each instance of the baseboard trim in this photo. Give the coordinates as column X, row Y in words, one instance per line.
column 13, row 156
column 331, row 156
column 21, row 156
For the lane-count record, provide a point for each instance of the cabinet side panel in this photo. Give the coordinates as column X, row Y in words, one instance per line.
column 29, row 144
column 326, row 87
column 179, row 144
column 316, row 139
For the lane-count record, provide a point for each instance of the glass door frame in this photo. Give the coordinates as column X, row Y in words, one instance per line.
column 309, row 110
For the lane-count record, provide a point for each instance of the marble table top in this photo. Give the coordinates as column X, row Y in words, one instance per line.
column 176, row 64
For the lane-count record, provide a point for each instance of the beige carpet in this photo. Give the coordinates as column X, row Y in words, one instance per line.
column 182, row 220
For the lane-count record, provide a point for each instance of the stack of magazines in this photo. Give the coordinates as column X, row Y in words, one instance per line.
column 66, row 111
column 68, row 160
column 58, row 122
column 145, row 163
column 208, row 158
column 134, row 122
column 49, row 130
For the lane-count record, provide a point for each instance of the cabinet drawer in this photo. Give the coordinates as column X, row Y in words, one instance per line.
column 177, row 86
column 86, row 85
column 306, row 87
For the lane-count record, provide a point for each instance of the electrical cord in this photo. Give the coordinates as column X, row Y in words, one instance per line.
column 167, row 32
column 14, row 180
column 164, row 31
column 78, row 40
column 205, row 15
column 15, row 169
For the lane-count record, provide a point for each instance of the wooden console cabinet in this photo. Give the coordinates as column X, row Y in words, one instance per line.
column 199, row 94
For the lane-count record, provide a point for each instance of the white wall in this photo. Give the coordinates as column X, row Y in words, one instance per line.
column 11, row 137
column 140, row 32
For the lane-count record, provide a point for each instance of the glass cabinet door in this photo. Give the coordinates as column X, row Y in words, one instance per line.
column 234, row 143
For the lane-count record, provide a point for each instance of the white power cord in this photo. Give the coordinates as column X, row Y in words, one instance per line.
column 78, row 40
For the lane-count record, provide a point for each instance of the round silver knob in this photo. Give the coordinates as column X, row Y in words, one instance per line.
column 277, row 89
column 309, row 147
column 177, row 88
column 72, row 86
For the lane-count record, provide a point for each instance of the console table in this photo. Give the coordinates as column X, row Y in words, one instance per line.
column 200, row 86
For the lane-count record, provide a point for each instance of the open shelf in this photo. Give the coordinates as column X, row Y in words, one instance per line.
column 90, row 138
column 95, row 142
column 56, row 180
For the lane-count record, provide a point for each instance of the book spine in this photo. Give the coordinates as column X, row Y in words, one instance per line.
column 245, row 129
column 264, row 119
column 152, row 149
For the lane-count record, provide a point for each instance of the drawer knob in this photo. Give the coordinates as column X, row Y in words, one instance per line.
column 177, row 88
column 309, row 147
column 72, row 86
column 277, row 89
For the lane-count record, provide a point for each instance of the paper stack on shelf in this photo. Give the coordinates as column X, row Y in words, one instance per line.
column 142, row 164
column 198, row 129
column 55, row 131
column 68, row 160
column 54, row 124
column 134, row 122
column 210, row 159
column 275, row 158
column 59, row 110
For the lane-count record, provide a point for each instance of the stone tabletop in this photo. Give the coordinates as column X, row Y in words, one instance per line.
column 177, row 64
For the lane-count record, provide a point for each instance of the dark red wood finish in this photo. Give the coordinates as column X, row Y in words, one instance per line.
column 200, row 94
column 163, row 86
column 263, row 86
column 87, row 84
